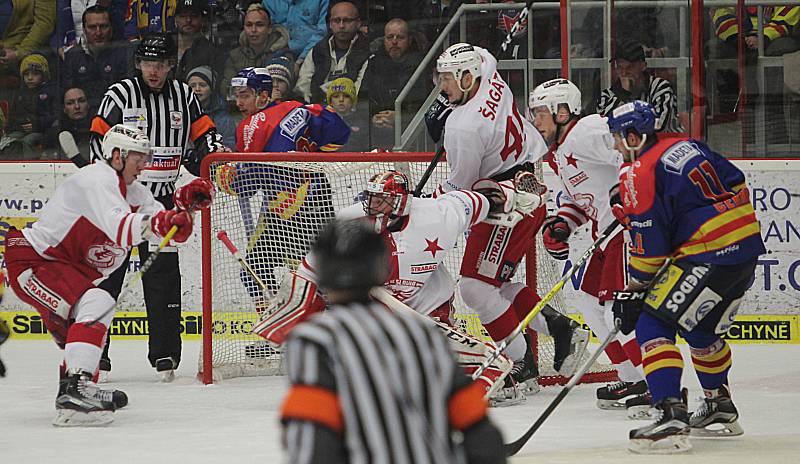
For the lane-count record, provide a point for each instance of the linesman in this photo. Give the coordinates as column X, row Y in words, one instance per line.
column 369, row 385
column 181, row 134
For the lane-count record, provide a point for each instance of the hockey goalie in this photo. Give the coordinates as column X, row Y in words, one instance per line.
column 420, row 232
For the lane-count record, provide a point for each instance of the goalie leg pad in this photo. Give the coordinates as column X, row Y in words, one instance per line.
column 295, row 302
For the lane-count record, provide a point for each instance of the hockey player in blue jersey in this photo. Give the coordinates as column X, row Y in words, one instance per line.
column 294, row 203
column 694, row 232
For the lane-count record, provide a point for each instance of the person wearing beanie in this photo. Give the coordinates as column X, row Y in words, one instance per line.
column 32, row 111
column 280, row 69
column 194, row 49
column 203, row 82
column 342, row 96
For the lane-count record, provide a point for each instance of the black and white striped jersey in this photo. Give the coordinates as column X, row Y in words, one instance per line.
column 372, row 386
column 659, row 94
column 179, row 131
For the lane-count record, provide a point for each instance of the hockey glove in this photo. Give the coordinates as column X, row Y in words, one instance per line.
column 197, row 194
column 555, row 233
column 163, row 221
column 627, row 307
column 437, row 115
column 616, row 206
column 507, row 204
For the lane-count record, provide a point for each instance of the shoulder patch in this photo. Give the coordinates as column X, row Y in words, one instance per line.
column 294, row 122
column 676, row 157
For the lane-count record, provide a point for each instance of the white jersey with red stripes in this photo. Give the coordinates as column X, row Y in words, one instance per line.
column 92, row 220
column 487, row 135
column 431, row 229
column 588, row 167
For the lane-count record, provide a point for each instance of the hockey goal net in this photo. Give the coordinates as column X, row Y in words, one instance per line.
column 272, row 206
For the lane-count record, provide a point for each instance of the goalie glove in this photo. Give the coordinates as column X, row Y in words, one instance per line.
column 508, row 203
column 296, row 300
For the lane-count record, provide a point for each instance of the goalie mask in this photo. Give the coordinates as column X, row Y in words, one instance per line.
column 387, row 197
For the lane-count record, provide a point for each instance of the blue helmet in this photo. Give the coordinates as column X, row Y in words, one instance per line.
column 636, row 115
column 257, row 79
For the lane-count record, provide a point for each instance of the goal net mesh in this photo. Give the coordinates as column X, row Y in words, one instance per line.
column 271, row 206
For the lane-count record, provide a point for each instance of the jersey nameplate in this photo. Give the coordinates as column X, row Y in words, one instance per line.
column 293, row 123
column 678, row 155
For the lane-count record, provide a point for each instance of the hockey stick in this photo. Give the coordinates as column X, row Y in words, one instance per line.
column 428, row 172
column 607, row 232
column 222, row 236
column 513, row 448
column 523, row 16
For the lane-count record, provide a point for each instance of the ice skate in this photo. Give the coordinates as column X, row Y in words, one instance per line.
column 570, row 341
column 526, row 374
column 668, row 434
column 82, row 403
column 104, row 372
column 509, row 395
column 717, row 416
column 613, row 395
column 640, row 407
column 166, row 369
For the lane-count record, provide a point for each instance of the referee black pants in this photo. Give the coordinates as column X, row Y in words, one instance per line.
column 162, row 297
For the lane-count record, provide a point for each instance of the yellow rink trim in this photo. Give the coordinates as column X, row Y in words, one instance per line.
column 132, row 325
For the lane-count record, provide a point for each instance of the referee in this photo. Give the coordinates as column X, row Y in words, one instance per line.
column 372, row 386
column 168, row 112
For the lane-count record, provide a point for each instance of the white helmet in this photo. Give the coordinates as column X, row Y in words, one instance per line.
column 458, row 59
column 556, row 92
column 126, row 139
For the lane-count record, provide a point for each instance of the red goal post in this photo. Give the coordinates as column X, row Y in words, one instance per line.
column 276, row 203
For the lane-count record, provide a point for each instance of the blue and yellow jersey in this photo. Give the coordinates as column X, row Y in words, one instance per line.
column 687, row 202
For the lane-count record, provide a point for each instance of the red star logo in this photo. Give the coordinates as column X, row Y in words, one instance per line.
column 571, row 160
column 433, row 246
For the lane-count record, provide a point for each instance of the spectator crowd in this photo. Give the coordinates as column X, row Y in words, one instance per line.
column 58, row 58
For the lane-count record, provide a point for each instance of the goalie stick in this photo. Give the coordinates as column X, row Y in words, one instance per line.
column 607, row 232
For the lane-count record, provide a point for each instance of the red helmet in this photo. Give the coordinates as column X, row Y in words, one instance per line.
column 388, row 194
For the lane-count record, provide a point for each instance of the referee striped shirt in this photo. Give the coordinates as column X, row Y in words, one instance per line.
column 659, row 94
column 372, row 386
column 179, row 131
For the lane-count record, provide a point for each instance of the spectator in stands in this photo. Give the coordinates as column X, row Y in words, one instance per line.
column 632, row 81
column 305, row 20
column 343, row 97
column 77, row 120
column 203, row 82
column 227, row 17
column 69, row 21
column 280, row 69
column 194, row 49
column 32, row 112
column 343, row 53
column 388, row 71
column 23, row 32
column 380, row 12
column 258, row 44
column 146, row 16
column 98, row 61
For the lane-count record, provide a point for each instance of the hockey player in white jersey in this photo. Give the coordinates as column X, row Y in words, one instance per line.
column 486, row 137
column 83, row 234
column 588, row 168
column 419, row 232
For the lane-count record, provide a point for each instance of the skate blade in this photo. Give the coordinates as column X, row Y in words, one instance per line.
column 611, row 404
column 72, row 418
column 641, row 413
column 669, row 445
column 506, row 402
column 580, row 341
column 732, row 429
column 167, row 376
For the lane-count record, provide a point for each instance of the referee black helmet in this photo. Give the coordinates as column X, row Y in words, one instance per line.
column 156, row 46
column 351, row 256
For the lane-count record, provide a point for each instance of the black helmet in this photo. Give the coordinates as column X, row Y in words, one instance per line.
column 351, row 256
column 156, row 46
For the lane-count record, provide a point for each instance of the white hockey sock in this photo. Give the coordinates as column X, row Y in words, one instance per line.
column 84, row 342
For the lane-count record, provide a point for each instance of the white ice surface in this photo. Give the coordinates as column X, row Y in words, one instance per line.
column 236, row 421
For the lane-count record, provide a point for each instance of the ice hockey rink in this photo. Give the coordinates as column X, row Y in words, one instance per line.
column 236, row 421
